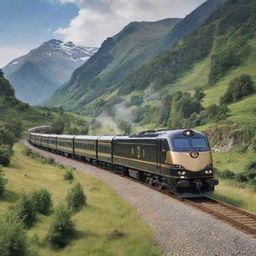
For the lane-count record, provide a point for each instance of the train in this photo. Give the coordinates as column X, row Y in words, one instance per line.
column 179, row 161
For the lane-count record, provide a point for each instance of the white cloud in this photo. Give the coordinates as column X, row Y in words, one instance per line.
column 7, row 54
column 99, row 19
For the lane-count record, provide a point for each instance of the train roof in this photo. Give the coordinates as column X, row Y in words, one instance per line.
column 163, row 133
column 86, row 137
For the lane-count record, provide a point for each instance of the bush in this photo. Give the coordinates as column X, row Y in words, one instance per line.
column 69, row 175
column 42, row 201
column 48, row 160
column 240, row 177
column 227, row 174
column 13, row 239
column 136, row 100
column 25, row 210
column 239, row 87
column 57, row 126
column 76, row 198
column 7, row 137
column 2, row 184
column 62, row 228
column 5, row 154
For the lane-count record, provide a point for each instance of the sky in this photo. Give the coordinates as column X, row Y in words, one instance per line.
column 26, row 24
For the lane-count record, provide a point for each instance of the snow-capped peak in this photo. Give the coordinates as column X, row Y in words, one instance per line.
column 68, row 49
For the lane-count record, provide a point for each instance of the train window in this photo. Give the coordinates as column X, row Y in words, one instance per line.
column 199, row 143
column 181, row 143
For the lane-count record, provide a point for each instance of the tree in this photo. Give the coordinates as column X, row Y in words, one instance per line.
column 13, row 239
column 76, row 198
column 165, row 109
column 62, row 228
column 238, row 87
column 5, row 154
column 58, row 126
column 199, row 94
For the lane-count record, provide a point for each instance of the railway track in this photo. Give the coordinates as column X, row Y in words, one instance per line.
column 238, row 218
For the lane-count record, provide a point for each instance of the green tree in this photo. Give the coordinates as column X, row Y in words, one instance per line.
column 165, row 109
column 3, row 182
column 5, row 154
column 238, row 88
column 199, row 94
column 58, row 126
column 76, row 198
column 25, row 210
column 13, row 238
column 62, row 228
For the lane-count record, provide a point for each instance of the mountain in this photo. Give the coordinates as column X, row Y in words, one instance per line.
column 136, row 44
column 38, row 74
column 192, row 21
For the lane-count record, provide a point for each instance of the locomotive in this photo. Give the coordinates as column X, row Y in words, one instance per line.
column 179, row 161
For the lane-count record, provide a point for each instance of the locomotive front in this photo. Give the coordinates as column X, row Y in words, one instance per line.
column 191, row 163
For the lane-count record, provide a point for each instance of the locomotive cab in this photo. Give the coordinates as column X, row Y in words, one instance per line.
column 191, row 164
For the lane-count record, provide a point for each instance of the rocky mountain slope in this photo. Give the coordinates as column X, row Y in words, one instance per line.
column 38, row 74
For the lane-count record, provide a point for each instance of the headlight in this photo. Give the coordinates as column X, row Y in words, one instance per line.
column 179, row 173
column 183, row 173
column 206, row 172
column 210, row 171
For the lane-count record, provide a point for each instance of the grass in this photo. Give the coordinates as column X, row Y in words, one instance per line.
column 235, row 160
column 106, row 226
column 244, row 198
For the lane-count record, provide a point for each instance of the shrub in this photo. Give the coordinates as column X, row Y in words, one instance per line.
column 238, row 87
column 199, row 94
column 227, row 174
column 69, row 175
column 25, row 210
column 222, row 63
column 240, row 177
column 76, row 198
column 13, row 239
column 136, row 100
column 62, row 228
column 57, row 126
column 5, row 154
column 48, row 160
column 42, row 201
column 2, row 184
column 7, row 137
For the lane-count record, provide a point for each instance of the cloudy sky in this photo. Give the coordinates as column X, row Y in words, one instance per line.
column 25, row 24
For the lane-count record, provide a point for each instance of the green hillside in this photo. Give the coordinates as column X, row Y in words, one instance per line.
column 134, row 46
column 137, row 43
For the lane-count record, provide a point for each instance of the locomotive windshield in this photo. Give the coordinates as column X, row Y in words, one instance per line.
column 190, row 144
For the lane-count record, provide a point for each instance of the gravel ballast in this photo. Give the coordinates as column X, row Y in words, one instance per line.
column 179, row 229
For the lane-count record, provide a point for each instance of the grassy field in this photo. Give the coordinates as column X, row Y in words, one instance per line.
column 96, row 224
column 230, row 193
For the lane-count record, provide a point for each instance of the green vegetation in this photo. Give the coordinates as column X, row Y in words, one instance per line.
column 62, row 228
column 237, row 89
column 3, row 182
column 25, row 209
column 42, row 201
column 106, row 224
column 76, row 198
column 69, row 175
column 13, row 238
